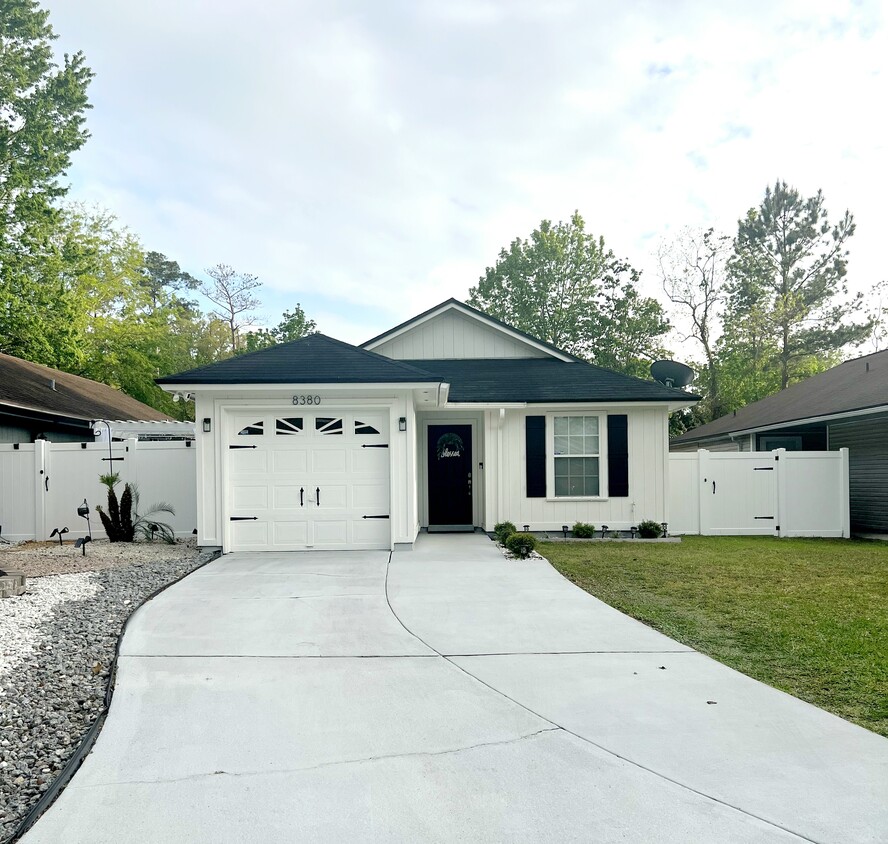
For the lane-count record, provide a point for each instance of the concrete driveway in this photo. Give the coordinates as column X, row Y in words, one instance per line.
column 446, row 694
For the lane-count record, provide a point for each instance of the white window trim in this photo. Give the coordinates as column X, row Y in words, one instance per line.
column 550, row 456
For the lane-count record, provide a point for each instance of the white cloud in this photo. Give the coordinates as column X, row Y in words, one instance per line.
column 369, row 160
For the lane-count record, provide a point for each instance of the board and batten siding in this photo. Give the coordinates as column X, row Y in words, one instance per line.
column 867, row 444
column 451, row 335
column 506, row 483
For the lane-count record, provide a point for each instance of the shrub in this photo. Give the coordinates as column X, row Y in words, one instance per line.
column 521, row 544
column 583, row 530
column 503, row 530
column 649, row 529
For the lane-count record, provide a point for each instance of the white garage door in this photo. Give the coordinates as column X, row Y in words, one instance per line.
column 315, row 480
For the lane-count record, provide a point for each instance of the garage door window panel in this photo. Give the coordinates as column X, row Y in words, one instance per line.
column 255, row 429
column 327, row 425
column 289, row 426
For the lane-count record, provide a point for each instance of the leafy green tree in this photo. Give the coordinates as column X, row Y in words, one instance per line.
column 161, row 275
column 564, row 286
column 787, row 305
column 42, row 112
column 293, row 326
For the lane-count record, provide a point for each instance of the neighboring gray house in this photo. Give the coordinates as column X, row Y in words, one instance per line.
column 847, row 406
column 37, row 402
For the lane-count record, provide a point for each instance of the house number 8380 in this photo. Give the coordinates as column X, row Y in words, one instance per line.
column 301, row 400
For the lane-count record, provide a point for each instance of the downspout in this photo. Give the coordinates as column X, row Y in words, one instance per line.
column 499, row 465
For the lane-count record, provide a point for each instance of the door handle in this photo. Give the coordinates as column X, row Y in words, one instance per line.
column 713, row 487
column 302, row 496
column 46, row 483
column 318, row 496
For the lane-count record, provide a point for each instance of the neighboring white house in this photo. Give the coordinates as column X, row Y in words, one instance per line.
column 450, row 421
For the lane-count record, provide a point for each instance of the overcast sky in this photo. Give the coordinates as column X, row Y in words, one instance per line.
column 369, row 159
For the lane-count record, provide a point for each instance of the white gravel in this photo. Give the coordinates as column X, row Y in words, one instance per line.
column 58, row 645
column 22, row 617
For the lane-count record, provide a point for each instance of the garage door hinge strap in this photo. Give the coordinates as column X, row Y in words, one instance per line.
column 242, row 446
column 375, row 445
column 374, row 517
column 763, row 469
column 242, row 518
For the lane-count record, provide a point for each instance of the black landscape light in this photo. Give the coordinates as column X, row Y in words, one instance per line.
column 81, row 543
column 153, row 528
column 603, row 531
column 527, row 528
column 665, row 532
column 564, row 529
column 83, row 512
column 633, row 530
column 59, row 532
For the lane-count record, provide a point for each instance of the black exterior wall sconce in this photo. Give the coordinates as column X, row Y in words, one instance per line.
column 207, row 425
column 402, row 423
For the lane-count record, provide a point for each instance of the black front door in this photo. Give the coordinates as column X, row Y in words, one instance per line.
column 450, row 475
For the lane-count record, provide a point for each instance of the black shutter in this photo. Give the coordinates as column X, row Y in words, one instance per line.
column 535, row 440
column 618, row 455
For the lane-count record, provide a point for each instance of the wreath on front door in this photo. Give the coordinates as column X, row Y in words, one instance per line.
column 449, row 445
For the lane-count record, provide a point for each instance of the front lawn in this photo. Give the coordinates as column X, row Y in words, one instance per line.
column 809, row 616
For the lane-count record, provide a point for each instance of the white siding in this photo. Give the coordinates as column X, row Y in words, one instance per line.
column 506, row 484
column 454, row 335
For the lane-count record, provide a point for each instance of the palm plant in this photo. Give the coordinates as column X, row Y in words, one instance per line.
column 123, row 520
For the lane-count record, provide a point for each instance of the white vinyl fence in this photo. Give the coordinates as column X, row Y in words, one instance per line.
column 768, row 493
column 43, row 483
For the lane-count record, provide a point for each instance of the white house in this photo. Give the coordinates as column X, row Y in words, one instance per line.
column 449, row 421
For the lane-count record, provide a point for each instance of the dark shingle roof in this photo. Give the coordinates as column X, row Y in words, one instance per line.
column 27, row 385
column 316, row 359
column 541, row 380
column 853, row 385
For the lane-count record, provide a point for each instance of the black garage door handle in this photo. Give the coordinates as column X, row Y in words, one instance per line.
column 318, row 496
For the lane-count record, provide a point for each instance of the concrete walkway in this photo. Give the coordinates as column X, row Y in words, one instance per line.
column 446, row 694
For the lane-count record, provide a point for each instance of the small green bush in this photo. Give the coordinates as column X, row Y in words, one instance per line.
column 583, row 530
column 649, row 529
column 521, row 544
column 503, row 530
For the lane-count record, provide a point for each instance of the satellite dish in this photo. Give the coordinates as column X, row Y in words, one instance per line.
column 672, row 373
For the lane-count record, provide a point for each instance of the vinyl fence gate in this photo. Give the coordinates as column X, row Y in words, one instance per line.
column 764, row 493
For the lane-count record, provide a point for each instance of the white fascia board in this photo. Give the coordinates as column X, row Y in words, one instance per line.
column 452, row 306
column 485, row 405
column 811, row 420
column 299, row 388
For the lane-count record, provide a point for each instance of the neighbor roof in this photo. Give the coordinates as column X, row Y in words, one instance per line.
column 542, row 380
column 316, row 359
column 854, row 385
column 27, row 386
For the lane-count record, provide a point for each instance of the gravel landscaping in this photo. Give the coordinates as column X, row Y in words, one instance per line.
column 57, row 643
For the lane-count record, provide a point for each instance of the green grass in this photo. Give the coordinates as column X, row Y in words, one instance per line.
column 809, row 616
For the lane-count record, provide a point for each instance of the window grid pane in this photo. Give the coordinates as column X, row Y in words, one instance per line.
column 576, row 477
